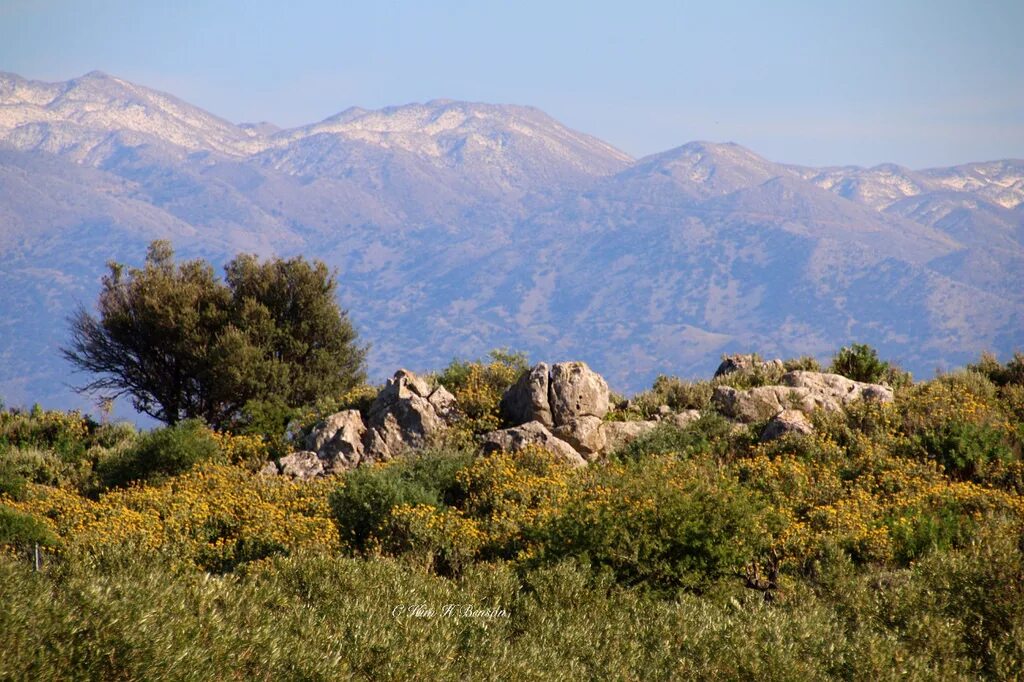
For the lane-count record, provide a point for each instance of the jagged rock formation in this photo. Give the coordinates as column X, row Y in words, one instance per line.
column 619, row 434
column 338, row 441
column 528, row 399
column 407, row 414
column 302, row 465
column 569, row 401
column 833, row 391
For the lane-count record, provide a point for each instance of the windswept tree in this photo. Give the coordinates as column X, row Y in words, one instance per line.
column 182, row 343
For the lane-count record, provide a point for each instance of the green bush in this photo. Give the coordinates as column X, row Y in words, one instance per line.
column 709, row 434
column 362, row 504
column 965, row 449
column 159, row 454
column 918, row 531
column 12, row 482
column 658, row 523
column 68, row 434
column 859, row 362
column 1012, row 372
column 21, row 530
column 479, row 386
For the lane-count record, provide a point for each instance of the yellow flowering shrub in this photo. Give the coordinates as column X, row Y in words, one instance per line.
column 478, row 387
column 864, row 497
column 443, row 540
column 214, row 516
column 663, row 523
column 509, row 493
column 248, row 450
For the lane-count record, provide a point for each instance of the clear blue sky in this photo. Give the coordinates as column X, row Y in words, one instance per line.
column 920, row 83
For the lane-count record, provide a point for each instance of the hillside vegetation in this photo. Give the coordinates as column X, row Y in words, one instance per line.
column 887, row 543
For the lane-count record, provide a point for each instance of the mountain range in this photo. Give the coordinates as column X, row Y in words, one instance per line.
column 458, row 227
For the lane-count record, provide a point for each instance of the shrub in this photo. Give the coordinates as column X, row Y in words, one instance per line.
column 362, row 505
column 709, row 434
column 160, row 454
column 215, row 517
column 1001, row 374
column 510, row 493
column 806, row 363
column 69, row 434
column 917, row 530
column 12, row 482
column 661, row 523
column 760, row 373
column 859, row 362
column 682, row 395
column 21, row 530
column 965, row 449
column 440, row 540
column 478, row 387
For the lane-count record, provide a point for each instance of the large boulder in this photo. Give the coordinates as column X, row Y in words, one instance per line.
column 527, row 399
column 576, row 391
column 620, row 434
column 532, row 433
column 406, row 415
column 338, row 441
column 761, row 403
column 833, row 391
column 584, row 434
column 787, row 421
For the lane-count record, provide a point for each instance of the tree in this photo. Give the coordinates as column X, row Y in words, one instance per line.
column 184, row 344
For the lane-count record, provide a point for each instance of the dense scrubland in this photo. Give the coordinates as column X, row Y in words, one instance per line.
column 886, row 544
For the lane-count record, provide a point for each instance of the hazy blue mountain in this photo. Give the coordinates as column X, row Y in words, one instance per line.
column 457, row 227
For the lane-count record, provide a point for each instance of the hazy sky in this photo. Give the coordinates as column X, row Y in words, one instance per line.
column 917, row 82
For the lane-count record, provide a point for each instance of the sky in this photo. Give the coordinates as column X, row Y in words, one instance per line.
column 919, row 83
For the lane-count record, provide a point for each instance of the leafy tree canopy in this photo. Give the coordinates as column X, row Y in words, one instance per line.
column 183, row 343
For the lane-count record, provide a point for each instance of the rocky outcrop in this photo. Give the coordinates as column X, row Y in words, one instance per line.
column 681, row 419
column 531, row 433
column 338, row 441
column 799, row 390
column 787, row 421
column 575, row 390
column 833, row 391
column 527, row 400
column 406, row 415
column 758, row 404
column 568, row 399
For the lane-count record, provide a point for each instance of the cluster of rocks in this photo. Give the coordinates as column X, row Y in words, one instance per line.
column 559, row 407
column 798, row 394
column 407, row 414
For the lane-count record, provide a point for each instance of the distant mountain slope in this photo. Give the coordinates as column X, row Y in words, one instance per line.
column 458, row 227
